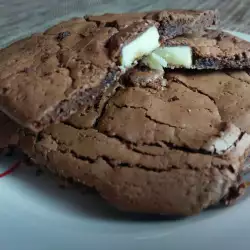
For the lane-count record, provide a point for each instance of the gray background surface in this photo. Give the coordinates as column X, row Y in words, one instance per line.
column 21, row 17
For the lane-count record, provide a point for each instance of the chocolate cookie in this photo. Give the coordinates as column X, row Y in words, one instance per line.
column 49, row 76
column 215, row 50
column 176, row 150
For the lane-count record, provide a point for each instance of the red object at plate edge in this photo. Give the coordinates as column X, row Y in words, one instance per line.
column 10, row 169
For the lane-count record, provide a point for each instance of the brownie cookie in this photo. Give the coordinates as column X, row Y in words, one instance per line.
column 50, row 76
column 215, row 50
column 176, row 150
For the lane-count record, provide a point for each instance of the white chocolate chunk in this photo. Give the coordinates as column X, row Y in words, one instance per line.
column 142, row 45
column 154, row 61
column 241, row 146
column 176, row 55
column 225, row 141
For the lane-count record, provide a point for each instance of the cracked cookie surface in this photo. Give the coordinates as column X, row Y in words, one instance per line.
column 47, row 77
column 145, row 150
column 215, row 50
column 51, row 75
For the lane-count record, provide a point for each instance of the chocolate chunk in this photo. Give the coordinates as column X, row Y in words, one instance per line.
column 62, row 35
column 235, row 193
column 173, row 99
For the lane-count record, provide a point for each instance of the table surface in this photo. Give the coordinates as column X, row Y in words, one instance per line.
column 21, row 17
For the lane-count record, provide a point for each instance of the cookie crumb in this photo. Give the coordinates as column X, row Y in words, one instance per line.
column 62, row 35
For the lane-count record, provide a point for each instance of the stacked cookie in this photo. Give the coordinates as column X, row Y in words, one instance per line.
column 150, row 109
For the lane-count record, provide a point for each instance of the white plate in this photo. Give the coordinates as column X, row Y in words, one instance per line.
column 35, row 214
